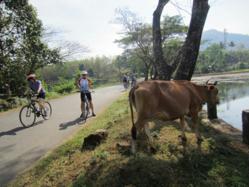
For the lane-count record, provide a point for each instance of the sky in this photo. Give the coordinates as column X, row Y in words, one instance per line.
column 91, row 22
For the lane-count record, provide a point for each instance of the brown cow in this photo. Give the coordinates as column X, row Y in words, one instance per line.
column 168, row 100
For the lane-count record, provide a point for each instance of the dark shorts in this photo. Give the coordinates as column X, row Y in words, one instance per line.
column 88, row 95
column 41, row 95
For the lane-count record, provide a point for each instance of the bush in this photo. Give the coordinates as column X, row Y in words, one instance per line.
column 64, row 87
column 11, row 102
column 51, row 95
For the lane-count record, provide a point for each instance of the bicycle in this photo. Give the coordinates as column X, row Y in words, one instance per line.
column 133, row 83
column 126, row 85
column 29, row 112
column 86, row 108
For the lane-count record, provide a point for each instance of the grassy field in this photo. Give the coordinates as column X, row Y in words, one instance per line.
column 221, row 162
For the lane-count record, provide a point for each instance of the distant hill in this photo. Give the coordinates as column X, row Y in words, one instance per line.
column 215, row 36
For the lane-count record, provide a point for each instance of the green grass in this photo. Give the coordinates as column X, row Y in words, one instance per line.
column 221, row 162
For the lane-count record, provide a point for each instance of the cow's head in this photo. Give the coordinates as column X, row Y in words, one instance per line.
column 212, row 93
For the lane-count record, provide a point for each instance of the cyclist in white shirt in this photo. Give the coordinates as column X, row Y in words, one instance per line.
column 85, row 84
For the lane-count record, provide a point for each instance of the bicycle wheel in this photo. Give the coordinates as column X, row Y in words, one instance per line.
column 47, row 111
column 27, row 116
column 85, row 112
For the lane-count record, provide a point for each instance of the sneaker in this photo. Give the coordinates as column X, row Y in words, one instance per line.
column 38, row 113
column 93, row 114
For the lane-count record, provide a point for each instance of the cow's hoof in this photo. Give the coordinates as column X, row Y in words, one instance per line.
column 199, row 141
column 152, row 149
column 133, row 150
column 182, row 138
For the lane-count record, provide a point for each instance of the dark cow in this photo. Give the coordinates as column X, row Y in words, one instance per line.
column 168, row 100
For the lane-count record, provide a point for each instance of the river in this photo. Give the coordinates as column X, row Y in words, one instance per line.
column 233, row 94
column 234, row 97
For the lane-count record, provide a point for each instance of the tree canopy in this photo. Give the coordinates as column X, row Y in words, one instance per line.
column 22, row 50
column 137, row 38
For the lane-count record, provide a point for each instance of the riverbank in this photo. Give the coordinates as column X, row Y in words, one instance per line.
column 222, row 161
column 222, row 77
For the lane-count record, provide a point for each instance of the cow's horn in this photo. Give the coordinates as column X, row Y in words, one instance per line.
column 207, row 81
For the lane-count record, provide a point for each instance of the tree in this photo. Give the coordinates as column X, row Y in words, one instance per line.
column 216, row 58
column 212, row 59
column 136, row 36
column 68, row 50
column 21, row 48
column 188, row 54
column 137, row 39
column 162, row 67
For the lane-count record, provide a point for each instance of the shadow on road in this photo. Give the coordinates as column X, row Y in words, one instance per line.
column 65, row 125
column 79, row 121
column 13, row 132
column 9, row 169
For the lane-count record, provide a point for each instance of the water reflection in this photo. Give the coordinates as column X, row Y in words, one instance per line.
column 234, row 97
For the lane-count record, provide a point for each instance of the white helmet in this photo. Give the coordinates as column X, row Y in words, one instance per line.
column 84, row 73
column 31, row 76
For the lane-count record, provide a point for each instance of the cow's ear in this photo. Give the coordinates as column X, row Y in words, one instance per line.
column 211, row 87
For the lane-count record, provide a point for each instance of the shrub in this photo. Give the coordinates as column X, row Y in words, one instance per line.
column 51, row 95
column 11, row 102
column 64, row 87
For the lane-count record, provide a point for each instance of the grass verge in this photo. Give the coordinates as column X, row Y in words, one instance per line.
column 221, row 162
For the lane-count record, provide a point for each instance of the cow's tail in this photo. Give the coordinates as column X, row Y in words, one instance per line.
column 132, row 102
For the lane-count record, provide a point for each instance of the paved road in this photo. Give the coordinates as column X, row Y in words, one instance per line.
column 21, row 147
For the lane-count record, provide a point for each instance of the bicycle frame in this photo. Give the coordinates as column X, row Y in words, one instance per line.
column 86, row 106
column 32, row 100
column 31, row 109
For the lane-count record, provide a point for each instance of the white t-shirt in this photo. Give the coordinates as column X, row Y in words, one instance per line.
column 84, row 85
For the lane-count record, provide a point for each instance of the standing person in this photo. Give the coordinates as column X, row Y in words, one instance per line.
column 85, row 84
column 36, row 86
column 125, row 81
column 133, row 80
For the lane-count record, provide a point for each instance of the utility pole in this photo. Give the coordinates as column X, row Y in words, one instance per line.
column 225, row 38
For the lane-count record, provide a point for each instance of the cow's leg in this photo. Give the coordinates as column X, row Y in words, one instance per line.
column 134, row 130
column 197, row 133
column 133, row 140
column 183, row 126
column 147, row 132
column 150, row 139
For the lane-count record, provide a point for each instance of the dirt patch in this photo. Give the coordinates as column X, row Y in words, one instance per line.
column 93, row 140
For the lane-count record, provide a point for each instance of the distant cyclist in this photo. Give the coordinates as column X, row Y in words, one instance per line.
column 36, row 86
column 133, row 80
column 126, row 81
column 85, row 84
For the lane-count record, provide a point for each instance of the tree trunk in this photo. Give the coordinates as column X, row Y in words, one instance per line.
column 212, row 111
column 146, row 74
column 245, row 126
column 189, row 52
column 163, row 69
column 154, row 74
